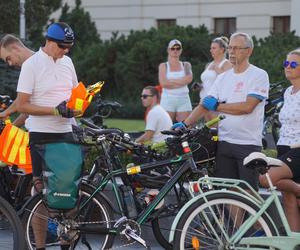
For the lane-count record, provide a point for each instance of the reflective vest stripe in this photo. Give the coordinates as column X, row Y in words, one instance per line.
column 15, row 148
column 78, row 104
column 11, row 136
column 22, row 150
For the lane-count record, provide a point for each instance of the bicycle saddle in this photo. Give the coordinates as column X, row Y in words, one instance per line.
column 261, row 162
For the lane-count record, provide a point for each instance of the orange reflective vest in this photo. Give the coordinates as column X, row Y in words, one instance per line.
column 14, row 149
column 81, row 97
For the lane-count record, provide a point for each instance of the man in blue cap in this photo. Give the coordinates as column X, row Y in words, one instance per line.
column 45, row 83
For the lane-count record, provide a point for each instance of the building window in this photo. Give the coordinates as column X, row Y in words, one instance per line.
column 225, row 26
column 281, row 24
column 165, row 22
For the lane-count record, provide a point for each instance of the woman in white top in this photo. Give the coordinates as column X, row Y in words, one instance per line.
column 174, row 76
column 218, row 49
column 287, row 177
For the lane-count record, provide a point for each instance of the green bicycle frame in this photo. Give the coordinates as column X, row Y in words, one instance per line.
column 232, row 186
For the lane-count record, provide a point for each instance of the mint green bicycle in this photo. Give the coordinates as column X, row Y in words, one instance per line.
column 228, row 217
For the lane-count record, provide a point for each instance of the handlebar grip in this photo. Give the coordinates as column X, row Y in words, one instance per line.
column 215, row 120
column 88, row 123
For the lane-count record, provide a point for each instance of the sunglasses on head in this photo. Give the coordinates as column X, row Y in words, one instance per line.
column 145, row 96
column 292, row 64
column 176, row 48
column 64, row 46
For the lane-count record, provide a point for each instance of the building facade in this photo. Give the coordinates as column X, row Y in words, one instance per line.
column 256, row 17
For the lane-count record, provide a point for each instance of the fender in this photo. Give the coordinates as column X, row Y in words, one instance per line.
column 201, row 196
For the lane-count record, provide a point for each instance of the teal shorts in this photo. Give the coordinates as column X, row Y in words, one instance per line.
column 173, row 103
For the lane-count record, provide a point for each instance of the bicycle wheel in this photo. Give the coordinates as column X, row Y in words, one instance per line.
column 41, row 229
column 198, row 229
column 11, row 230
column 163, row 220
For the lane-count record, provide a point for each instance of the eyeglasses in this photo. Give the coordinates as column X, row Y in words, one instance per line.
column 64, row 46
column 292, row 64
column 234, row 48
column 176, row 48
column 145, row 96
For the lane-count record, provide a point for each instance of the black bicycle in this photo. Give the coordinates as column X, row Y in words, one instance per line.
column 272, row 108
column 92, row 225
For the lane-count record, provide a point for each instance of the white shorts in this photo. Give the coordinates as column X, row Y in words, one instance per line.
column 173, row 103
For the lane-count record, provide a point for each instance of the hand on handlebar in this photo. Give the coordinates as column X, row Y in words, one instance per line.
column 179, row 126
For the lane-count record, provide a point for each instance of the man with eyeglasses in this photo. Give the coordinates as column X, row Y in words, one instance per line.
column 157, row 118
column 240, row 94
column 45, row 83
column 14, row 53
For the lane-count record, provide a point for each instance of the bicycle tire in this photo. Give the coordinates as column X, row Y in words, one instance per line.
column 11, row 230
column 193, row 224
column 162, row 223
column 97, row 211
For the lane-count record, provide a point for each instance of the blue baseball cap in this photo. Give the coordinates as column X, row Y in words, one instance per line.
column 60, row 32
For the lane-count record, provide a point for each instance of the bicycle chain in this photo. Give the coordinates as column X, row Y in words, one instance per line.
column 96, row 222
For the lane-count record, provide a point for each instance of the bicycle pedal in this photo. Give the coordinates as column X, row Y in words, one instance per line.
column 131, row 234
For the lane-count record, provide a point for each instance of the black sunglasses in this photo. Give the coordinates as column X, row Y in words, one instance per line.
column 145, row 96
column 292, row 64
column 64, row 46
column 176, row 48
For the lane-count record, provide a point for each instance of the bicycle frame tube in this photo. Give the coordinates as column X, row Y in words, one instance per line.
column 188, row 163
column 165, row 189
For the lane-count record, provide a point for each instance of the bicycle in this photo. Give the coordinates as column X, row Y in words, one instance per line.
column 103, row 110
column 80, row 227
column 11, row 233
column 272, row 109
column 209, row 218
column 203, row 148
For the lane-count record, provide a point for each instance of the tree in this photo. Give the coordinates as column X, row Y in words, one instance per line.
column 37, row 13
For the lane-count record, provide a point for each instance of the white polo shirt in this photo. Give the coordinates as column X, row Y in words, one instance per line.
column 49, row 83
column 231, row 87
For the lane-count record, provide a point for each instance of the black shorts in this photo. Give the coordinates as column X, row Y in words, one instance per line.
column 36, row 138
column 229, row 162
column 292, row 159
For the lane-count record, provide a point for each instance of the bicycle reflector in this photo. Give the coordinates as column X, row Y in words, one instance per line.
column 81, row 97
column 195, row 187
column 186, row 147
column 195, row 243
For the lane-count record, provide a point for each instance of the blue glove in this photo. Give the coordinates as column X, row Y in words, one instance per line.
column 179, row 125
column 210, row 103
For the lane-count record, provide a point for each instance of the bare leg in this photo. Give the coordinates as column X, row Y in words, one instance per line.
column 172, row 115
column 39, row 220
column 291, row 210
column 281, row 178
column 181, row 116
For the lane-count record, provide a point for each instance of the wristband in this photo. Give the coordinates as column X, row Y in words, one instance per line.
column 56, row 112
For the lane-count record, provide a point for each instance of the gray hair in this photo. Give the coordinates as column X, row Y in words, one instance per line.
column 248, row 39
